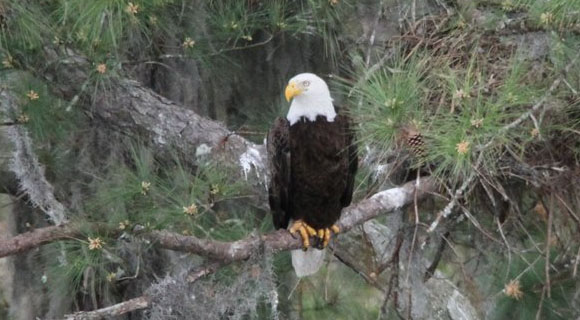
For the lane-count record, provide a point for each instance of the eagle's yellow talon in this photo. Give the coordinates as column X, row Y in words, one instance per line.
column 304, row 230
column 295, row 226
column 310, row 230
column 326, row 238
column 305, row 239
column 335, row 229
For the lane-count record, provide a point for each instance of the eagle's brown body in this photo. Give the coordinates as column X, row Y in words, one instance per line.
column 312, row 166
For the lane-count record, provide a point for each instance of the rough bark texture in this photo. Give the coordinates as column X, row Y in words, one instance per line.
column 139, row 112
column 32, row 239
column 115, row 310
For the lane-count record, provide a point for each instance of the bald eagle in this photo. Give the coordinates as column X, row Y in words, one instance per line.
column 312, row 160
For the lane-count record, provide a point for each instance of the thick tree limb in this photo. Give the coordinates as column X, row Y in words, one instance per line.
column 381, row 202
column 114, row 310
column 137, row 111
column 384, row 201
column 38, row 237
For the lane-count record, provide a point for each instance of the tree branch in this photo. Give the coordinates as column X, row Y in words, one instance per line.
column 132, row 109
column 118, row 309
column 280, row 240
column 137, row 111
column 38, row 237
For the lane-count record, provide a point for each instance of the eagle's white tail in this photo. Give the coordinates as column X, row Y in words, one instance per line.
column 307, row 262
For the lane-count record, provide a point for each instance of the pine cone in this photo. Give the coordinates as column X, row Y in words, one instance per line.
column 416, row 144
column 414, row 141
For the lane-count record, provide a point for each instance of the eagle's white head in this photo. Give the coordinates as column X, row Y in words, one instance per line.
column 311, row 98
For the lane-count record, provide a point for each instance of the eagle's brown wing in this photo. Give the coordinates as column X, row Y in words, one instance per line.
column 352, row 160
column 278, row 148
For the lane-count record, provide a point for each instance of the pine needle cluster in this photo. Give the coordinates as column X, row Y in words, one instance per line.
column 456, row 102
column 114, row 32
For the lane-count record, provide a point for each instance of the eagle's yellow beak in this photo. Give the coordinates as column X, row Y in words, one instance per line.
column 291, row 91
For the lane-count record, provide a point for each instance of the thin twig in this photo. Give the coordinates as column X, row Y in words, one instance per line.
column 476, row 223
column 539, row 313
column 576, row 261
column 373, row 33
column 204, row 270
column 540, row 102
column 348, row 261
column 451, row 205
column 398, row 244
column 438, row 255
column 548, row 245
column 569, row 210
column 409, row 303
column 392, row 289
column 507, row 245
column 415, row 230
column 459, row 192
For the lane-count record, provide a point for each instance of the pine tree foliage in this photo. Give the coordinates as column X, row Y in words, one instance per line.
column 463, row 92
column 447, row 97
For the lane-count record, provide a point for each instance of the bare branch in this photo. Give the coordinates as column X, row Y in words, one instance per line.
column 38, row 237
column 114, row 310
column 381, row 202
column 351, row 263
column 575, row 268
column 143, row 302
column 540, row 102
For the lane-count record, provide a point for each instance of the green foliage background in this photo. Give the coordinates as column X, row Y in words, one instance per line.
column 463, row 83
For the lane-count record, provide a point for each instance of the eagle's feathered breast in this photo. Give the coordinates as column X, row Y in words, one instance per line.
column 312, row 165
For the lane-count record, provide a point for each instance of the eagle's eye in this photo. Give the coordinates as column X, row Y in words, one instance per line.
column 305, row 83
